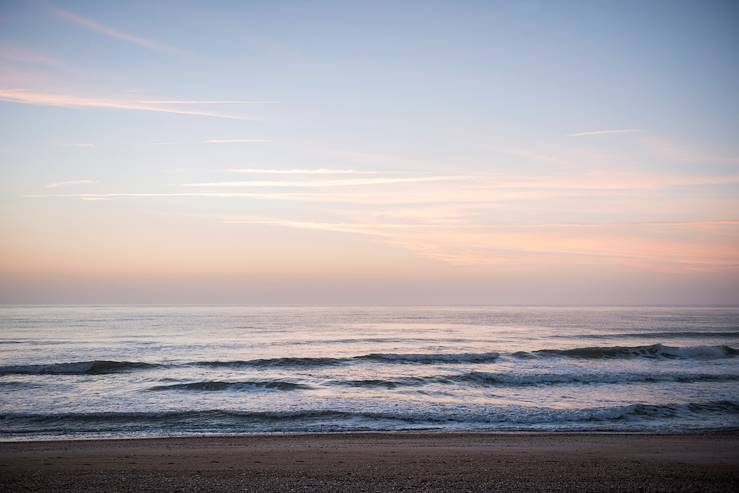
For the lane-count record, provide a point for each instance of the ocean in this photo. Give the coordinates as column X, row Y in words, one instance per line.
column 70, row 372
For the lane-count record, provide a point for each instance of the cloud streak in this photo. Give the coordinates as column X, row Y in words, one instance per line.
column 165, row 195
column 78, row 102
column 323, row 183
column 607, row 132
column 365, row 229
column 237, row 141
column 473, row 222
column 111, row 32
column 22, row 55
column 497, row 244
column 471, row 191
column 69, row 183
column 205, row 102
column 316, row 171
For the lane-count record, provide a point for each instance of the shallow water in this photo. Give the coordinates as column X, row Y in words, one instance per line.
column 85, row 371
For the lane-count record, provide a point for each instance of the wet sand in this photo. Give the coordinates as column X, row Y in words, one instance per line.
column 378, row 462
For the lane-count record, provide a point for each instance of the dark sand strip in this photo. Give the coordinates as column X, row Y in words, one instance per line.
column 379, row 462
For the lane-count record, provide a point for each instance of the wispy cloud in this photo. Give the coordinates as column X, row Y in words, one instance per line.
column 372, row 159
column 317, row 171
column 324, row 183
column 366, row 229
column 671, row 150
column 374, row 198
column 537, row 156
column 191, row 101
column 69, row 183
column 470, row 191
column 22, row 55
column 237, row 141
column 474, row 221
column 606, row 181
column 69, row 101
column 111, row 32
column 490, row 244
column 155, row 195
column 607, row 132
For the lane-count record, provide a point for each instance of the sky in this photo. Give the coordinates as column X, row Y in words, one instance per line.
column 525, row 152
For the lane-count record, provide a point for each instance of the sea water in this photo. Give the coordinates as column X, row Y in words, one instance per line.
column 134, row 371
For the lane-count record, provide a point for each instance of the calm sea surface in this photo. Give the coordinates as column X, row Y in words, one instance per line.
column 101, row 371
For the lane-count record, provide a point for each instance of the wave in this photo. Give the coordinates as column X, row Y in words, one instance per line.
column 99, row 367
column 485, row 379
column 200, row 421
column 386, row 383
column 103, row 367
column 216, row 386
column 374, row 357
column 431, row 358
column 524, row 380
column 374, row 340
column 45, row 342
column 96, row 367
column 272, row 362
column 14, row 385
column 653, row 351
column 685, row 416
column 656, row 335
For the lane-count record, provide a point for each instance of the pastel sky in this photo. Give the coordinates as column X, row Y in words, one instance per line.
column 530, row 152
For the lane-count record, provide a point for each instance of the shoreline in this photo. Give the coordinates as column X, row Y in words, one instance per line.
column 377, row 433
column 371, row 461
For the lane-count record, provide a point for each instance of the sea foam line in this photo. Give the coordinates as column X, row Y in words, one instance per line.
column 724, row 414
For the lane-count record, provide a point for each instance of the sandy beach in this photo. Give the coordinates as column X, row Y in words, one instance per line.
column 378, row 462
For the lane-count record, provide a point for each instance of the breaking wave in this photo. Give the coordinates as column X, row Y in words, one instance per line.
column 272, row 362
column 423, row 358
column 97, row 367
column 657, row 335
column 431, row 358
column 655, row 351
column 13, row 385
column 485, row 379
column 652, row 351
column 216, row 386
